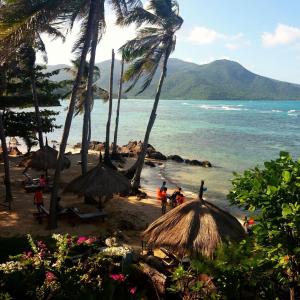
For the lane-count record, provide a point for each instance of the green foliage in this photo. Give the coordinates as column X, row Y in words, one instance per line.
column 76, row 268
column 274, row 194
column 23, row 124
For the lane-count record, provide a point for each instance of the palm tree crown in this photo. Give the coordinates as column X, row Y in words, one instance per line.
column 153, row 42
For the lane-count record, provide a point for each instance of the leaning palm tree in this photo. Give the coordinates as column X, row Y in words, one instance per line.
column 153, row 45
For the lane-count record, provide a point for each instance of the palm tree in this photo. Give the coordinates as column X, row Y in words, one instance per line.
column 94, row 21
column 153, row 45
column 43, row 13
column 107, row 160
column 114, row 150
column 83, row 99
column 21, row 25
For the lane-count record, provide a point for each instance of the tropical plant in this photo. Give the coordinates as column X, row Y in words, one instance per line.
column 73, row 268
column 115, row 143
column 111, row 82
column 12, row 14
column 273, row 193
column 83, row 98
column 153, row 45
column 94, row 21
column 6, row 179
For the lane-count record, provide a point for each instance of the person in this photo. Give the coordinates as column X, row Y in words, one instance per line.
column 180, row 199
column 164, row 201
column 42, row 181
column 163, row 186
column 173, row 197
column 38, row 199
column 202, row 190
column 160, row 190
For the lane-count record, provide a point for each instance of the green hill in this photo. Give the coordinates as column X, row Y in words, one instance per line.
column 219, row 80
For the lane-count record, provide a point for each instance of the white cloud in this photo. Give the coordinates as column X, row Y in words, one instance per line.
column 237, row 45
column 283, row 35
column 205, row 36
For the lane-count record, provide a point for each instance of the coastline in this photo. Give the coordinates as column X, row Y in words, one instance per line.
column 129, row 215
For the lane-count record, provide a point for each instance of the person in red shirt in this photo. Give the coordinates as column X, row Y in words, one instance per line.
column 42, row 181
column 179, row 198
column 38, row 199
column 163, row 197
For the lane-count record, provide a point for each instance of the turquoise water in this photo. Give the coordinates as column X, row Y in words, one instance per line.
column 233, row 135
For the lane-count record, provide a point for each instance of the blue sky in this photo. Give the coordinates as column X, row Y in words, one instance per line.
column 262, row 35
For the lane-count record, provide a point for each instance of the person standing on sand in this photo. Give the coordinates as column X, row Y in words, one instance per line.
column 174, row 196
column 163, row 187
column 160, row 190
column 164, row 201
column 38, row 199
column 180, row 198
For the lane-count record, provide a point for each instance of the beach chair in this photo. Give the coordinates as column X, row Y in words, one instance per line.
column 98, row 214
column 45, row 213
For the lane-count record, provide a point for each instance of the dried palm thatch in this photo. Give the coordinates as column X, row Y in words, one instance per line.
column 193, row 227
column 99, row 181
column 44, row 159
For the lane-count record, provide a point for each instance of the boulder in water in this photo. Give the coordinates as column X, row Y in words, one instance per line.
column 157, row 155
column 176, row 158
column 195, row 162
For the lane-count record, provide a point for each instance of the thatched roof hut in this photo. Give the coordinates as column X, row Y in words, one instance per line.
column 193, row 227
column 99, row 181
column 44, row 159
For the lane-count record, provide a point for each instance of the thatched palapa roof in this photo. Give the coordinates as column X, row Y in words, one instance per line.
column 193, row 227
column 44, row 159
column 99, row 181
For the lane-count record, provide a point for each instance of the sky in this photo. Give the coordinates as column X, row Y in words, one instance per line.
column 262, row 35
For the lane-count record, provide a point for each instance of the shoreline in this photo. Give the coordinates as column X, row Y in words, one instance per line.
column 129, row 215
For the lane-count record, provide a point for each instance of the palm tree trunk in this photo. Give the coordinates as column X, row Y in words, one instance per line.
column 90, row 130
column 52, row 219
column 37, row 110
column 137, row 177
column 106, row 153
column 87, row 102
column 114, row 151
column 8, row 197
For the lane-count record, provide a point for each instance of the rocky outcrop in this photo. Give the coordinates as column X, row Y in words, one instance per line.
column 176, row 158
column 133, row 148
column 156, row 155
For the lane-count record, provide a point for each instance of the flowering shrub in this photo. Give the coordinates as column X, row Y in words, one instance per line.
column 78, row 267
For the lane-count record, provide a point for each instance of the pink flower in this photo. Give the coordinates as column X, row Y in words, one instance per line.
column 81, row 240
column 27, row 255
column 118, row 277
column 132, row 290
column 50, row 276
column 91, row 240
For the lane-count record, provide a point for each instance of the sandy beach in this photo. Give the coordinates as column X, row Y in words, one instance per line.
column 128, row 215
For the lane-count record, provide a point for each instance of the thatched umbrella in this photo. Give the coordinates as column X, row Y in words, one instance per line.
column 99, row 181
column 194, row 227
column 44, row 159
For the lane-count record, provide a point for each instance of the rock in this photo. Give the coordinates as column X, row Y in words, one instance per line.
column 157, row 155
column 195, row 162
column 150, row 164
column 176, row 158
column 187, row 161
column 206, row 164
column 77, row 146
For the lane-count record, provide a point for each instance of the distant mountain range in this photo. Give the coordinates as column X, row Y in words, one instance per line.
column 219, row 80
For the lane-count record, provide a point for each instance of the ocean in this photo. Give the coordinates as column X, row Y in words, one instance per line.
column 232, row 135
